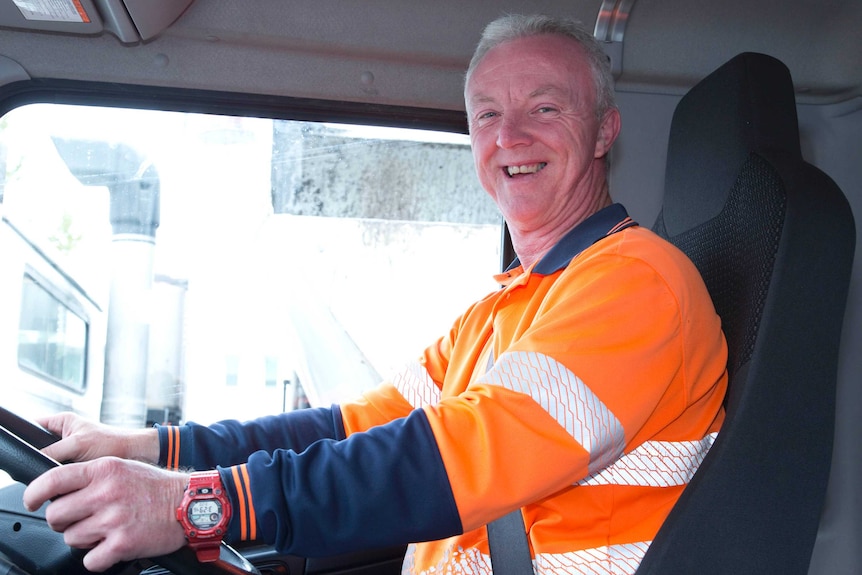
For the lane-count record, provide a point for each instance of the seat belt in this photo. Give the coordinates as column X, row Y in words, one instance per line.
column 507, row 542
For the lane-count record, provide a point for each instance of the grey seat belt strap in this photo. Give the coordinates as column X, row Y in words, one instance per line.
column 507, row 541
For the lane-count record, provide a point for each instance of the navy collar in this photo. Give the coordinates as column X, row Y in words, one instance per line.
column 603, row 223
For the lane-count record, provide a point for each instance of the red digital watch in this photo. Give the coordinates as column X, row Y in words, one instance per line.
column 204, row 514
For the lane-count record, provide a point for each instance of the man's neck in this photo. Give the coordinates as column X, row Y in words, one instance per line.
column 531, row 245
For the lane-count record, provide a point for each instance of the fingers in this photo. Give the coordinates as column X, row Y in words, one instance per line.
column 54, row 483
column 104, row 550
column 84, row 440
column 63, row 450
column 103, row 556
column 110, row 551
column 64, row 425
column 56, row 422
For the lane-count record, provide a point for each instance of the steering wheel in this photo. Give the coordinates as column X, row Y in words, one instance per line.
column 20, row 442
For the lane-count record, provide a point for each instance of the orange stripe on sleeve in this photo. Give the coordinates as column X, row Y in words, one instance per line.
column 170, row 448
column 169, row 456
column 252, row 519
column 240, row 491
column 175, row 459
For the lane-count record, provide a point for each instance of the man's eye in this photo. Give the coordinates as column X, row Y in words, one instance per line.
column 546, row 109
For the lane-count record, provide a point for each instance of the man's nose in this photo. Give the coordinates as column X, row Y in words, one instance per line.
column 513, row 131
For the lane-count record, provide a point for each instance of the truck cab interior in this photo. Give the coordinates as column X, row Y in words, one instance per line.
column 741, row 143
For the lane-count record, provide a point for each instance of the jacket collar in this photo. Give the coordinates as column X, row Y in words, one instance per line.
column 603, row 223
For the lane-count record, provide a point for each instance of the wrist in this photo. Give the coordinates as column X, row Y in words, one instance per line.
column 204, row 514
column 144, row 446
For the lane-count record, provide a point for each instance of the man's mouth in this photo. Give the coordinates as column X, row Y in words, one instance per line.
column 513, row 171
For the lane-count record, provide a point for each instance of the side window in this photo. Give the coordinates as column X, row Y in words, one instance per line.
column 243, row 265
column 52, row 339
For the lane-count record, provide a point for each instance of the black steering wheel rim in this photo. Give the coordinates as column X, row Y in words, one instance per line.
column 20, row 456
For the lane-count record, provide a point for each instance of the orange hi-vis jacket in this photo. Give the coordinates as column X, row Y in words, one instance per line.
column 586, row 392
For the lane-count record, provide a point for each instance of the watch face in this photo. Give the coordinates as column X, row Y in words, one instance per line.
column 205, row 513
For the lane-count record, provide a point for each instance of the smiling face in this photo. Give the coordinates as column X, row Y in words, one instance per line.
column 537, row 142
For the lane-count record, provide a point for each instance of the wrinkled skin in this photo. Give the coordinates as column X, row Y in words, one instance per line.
column 117, row 509
column 531, row 103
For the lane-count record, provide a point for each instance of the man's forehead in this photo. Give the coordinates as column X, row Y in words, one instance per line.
column 553, row 49
column 539, row 64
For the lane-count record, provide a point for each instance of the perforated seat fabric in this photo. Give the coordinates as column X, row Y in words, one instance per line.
column 735, row 253
column 773, row 238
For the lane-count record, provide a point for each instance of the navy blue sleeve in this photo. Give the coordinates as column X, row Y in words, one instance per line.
column 231, row 442
column 381, row 487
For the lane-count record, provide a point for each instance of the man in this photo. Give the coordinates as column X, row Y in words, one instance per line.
column 585, row 392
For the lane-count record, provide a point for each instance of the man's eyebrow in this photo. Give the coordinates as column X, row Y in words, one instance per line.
column 481, row 99
column 546, row 90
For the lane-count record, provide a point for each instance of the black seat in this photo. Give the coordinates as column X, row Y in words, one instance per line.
column 773, row 238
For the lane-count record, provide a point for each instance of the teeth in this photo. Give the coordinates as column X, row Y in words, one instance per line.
column 525, row 169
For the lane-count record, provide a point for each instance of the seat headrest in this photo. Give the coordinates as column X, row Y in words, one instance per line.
column 747, row 105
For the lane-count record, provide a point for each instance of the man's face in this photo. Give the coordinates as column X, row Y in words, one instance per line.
column 531, row 107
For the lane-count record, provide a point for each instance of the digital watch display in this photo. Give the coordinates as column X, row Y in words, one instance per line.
column 204, row 514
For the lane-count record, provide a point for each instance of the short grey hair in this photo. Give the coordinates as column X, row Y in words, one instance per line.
column 515, row 26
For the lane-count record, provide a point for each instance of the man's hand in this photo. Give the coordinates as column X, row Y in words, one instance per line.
column 120, row 510
column 84, row 440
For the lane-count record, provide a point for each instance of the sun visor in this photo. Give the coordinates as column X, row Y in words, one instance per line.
column 131, row 21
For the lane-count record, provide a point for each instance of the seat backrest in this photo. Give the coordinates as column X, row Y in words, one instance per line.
column 773, row 238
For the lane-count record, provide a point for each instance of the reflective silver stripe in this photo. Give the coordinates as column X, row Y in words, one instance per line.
column 416, row 386
column 611, row 560
column 469, row 561
column 655, row 464
column 566, row 398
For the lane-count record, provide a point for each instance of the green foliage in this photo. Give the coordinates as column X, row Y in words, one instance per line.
column 65, row 239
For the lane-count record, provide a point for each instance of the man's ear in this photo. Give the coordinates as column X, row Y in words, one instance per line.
column 609, row 129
